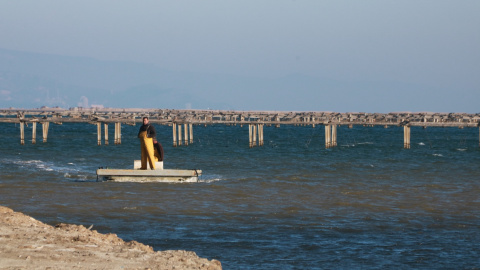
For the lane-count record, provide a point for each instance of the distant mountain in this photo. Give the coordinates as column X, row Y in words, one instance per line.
column 32, row 80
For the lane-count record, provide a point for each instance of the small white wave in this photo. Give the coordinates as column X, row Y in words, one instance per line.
column 27, row 162
column 70, row 163
column 437, row 155
column 83, row 177
column 347, row 145
column 79, row 177
column 209, row 179
column 40, row 165
column 36, row 164
column 421, row 143
column 461, row 149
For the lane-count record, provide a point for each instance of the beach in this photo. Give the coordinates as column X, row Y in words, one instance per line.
column 26, row 243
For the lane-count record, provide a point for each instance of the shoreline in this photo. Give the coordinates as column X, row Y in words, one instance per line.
column 26, row 243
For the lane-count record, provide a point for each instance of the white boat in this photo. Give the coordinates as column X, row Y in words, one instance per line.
column 149, row 175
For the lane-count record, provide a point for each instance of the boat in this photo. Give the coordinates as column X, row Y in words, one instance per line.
column 158, row 175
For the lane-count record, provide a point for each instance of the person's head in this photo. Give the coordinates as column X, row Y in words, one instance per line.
column 145, row 120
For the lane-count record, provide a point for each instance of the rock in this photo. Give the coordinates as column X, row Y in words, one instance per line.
column 28, row 243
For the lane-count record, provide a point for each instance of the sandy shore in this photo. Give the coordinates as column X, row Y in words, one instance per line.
column 26, row 243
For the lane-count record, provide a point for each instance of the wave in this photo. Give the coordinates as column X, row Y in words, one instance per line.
column 210, row 178
column 68, row 171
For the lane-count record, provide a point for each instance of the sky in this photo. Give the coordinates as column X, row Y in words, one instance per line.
column 431, row 43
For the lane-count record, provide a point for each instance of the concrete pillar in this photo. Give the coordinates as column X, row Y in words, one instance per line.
column 185, row 133
column 22, row 133
column 106, row 133
column 174, row 128
column 179, row 134
column 115, row 135
column 191, row 133
column 250, row 140
column 45, row 126
column 260, row 134
column 119, row 132
column 34, row 132
column 406, row 137
column 328, row 136
column 334, row 135
column 254, row 135
column 99, row 133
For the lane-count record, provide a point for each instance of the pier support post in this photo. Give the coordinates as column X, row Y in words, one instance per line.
column 250, row 135
column 115, row 136
column 254, row 135
column 180, row 134
column 99, row 133
column 406, row 137
column 45, row 126
column 175, row 134
column 257, row 127
column 119, row 133
column 105, row 125
column 191, row 133
column 22, row 133
column 185, row 133
column 334, row 135
column 260, row 134
column 115, row 133
column 34, row 132
column 408, row 140
column 328, row 136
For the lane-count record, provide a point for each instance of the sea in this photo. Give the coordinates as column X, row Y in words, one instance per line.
column 289, row 204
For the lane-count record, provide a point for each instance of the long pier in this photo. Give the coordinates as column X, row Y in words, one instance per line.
column 255, row 119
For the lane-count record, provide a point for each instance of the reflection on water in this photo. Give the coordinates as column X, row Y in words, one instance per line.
column 367, row 203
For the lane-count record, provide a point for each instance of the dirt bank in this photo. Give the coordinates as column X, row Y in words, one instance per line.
column 26, row 243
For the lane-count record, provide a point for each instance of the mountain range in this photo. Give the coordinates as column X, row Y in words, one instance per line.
column 33, row 80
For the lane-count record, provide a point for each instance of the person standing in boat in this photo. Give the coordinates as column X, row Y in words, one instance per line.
column 147, row 135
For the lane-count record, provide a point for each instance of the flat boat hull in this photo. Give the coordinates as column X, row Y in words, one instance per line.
column 169, row 175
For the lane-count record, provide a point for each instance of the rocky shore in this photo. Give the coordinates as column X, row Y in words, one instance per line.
column 26, row 243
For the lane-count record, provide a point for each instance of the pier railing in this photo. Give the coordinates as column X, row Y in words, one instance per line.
column 255, row 119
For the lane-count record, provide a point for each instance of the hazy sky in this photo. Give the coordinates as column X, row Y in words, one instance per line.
column 434, row 43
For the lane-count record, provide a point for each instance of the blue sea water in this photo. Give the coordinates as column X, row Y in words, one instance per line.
column 290, row 204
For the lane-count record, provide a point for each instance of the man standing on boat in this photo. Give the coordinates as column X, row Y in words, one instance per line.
column 147, row 134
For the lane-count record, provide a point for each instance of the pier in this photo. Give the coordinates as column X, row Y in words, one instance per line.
column 182, row 121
